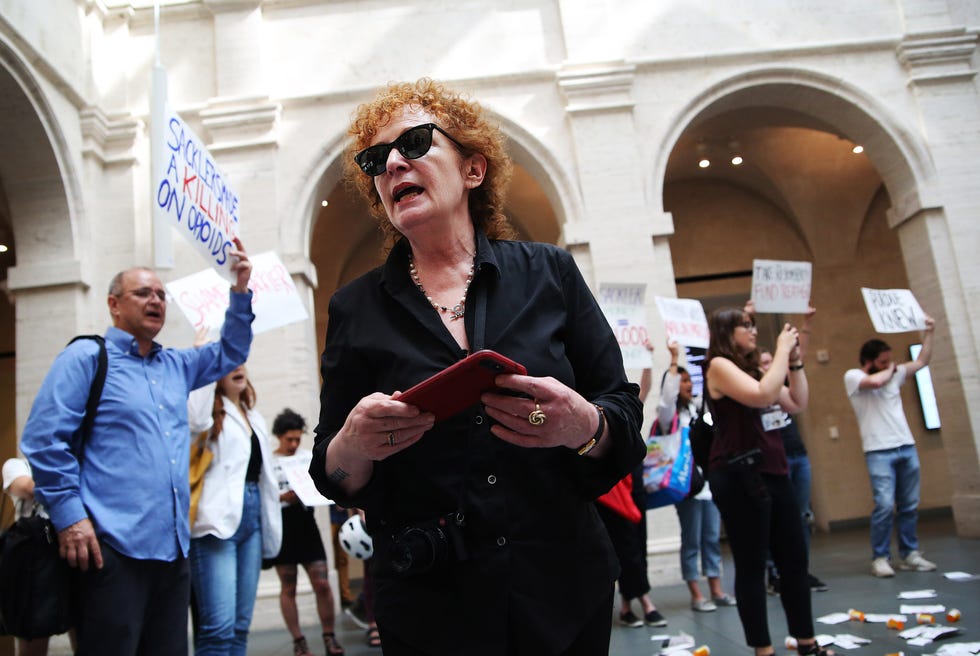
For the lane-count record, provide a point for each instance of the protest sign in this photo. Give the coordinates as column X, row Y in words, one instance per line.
column 684, row 321
column 781, row 286
column 893, row 310
column 203, row 296
column 297, row 471
column 622, row 303
column 189, row 191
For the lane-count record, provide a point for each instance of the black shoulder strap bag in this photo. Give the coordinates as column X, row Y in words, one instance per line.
column 35, row 581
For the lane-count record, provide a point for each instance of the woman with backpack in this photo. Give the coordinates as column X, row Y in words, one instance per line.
column 698, row 516
column 748, row 473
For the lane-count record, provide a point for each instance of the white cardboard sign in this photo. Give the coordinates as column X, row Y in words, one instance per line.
column 297, row 471
column 191, row 193
column 781, row 286
column 622, row 303
column 893, row 310
column 684, row 321
column 203, row 296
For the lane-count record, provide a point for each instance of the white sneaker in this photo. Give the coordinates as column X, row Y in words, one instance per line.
column 916, row 563
column 881, row 568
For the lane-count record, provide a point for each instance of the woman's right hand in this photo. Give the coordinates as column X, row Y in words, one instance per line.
column 380, row 426
column 788, row 340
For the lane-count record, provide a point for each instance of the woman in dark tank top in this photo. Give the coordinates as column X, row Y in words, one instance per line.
column 748, row 473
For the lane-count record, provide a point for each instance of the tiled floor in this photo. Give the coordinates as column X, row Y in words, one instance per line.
column 840, row 558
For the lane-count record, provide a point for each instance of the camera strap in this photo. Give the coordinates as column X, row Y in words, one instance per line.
column 479, row 318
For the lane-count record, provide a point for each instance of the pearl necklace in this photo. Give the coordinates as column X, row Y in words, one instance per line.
column 455, row 312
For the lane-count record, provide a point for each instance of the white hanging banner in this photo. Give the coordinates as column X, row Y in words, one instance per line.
column 163, row 248
column 780, row 286
column 622, row 303
column 203, row 296
column 893, row 310
column 684, row 321
column 190, row 193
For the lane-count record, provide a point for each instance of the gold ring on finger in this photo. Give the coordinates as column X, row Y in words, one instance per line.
column 536, row 418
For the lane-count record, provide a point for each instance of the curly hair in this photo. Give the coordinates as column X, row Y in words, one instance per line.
column 721, row 343
column 288, row 420
column 465, row 120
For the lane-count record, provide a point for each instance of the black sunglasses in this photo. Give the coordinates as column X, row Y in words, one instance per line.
column 412, row 144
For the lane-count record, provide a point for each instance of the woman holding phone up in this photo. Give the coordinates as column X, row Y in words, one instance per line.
column 749, row 475
column 485, row 535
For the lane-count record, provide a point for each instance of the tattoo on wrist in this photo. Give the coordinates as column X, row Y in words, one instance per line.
column 337, row 475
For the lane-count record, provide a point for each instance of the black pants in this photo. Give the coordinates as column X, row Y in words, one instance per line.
column 629, row 540
column 132, row 607
column 756, row 518
column 592, row 640
column 630, row 543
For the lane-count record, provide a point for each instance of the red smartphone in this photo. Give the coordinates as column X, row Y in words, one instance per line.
column 460, row 385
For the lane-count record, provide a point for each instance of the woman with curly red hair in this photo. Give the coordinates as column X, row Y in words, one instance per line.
column 486, row 539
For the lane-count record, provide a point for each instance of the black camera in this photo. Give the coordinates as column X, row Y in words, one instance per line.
column 746, row 459
column 745, row 467
column 419, row 547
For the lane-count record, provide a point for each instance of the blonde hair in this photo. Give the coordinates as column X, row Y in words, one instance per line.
column 462, row 118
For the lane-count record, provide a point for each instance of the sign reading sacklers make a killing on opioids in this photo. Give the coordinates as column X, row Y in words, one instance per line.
column 191, row 193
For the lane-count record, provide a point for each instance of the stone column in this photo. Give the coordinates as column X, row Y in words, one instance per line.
column 614, row 240
column 940, row 244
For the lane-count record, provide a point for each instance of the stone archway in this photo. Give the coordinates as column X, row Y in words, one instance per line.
column 42, row 205
column 895, row 193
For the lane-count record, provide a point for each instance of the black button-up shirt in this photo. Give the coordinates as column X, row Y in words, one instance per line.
column 533, row 561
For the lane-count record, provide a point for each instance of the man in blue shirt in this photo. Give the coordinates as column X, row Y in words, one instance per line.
column 120, row 501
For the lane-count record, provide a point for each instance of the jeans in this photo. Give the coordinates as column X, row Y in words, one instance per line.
column 700, row 532
column 799, row 474
column 894, row 477
column 225, row 577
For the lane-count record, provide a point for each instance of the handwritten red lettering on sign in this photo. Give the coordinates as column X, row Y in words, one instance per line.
column 631, row 335
column 683, row 329
column 203, row 301
column 274, row 280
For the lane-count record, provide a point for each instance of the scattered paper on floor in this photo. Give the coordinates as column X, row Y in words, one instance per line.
column 834, row 618
column 917, row 594
column 912, row 609
column 882, row 618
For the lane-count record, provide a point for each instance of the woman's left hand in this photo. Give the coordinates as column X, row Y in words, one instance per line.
column 555, row 415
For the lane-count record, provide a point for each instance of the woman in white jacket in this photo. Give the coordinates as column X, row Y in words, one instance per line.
column 238, row 519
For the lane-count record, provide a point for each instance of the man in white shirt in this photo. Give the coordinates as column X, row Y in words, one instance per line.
column 889, row 450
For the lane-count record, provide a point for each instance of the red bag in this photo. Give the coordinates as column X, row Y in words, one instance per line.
column 620, row 500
